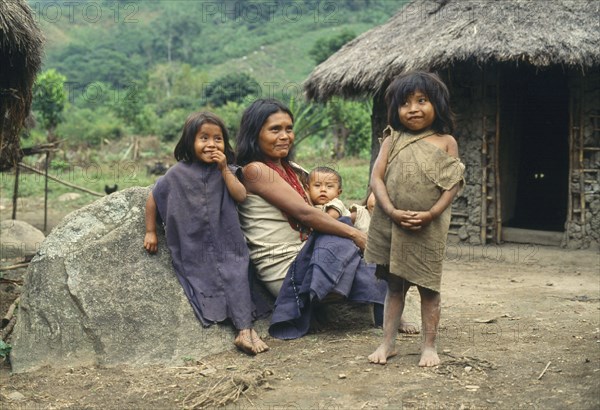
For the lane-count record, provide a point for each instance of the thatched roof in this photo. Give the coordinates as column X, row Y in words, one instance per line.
column 430, row 35
column 20, row 59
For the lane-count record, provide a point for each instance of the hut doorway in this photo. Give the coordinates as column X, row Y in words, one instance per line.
column 534, row 149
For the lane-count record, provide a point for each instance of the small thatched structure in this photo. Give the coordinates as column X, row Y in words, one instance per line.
column 524, row 81
column 20, row 59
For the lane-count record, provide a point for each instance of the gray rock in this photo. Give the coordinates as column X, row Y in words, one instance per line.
column 93, row 296
column 18, row 239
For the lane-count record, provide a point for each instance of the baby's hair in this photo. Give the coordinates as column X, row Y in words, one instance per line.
column 253, row 119
column 327, row 170
column 184, row 150
column 432, row 86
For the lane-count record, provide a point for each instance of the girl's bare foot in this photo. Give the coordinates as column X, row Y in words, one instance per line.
column 243, row 341
column 408, row 328
column 259, row 345
column 429, row 357
column 382, row 353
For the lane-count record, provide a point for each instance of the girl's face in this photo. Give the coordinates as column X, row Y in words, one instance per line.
column 209, row 139
column 417, row 113
column 276, row 136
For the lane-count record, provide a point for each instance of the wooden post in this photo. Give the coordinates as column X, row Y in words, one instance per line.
column 47, row 165
column 497, row 187
column 15, row 192
column 570, row 178
column 581, row 157
column 484, row 165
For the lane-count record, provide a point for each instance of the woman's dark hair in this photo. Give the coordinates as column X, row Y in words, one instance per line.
column 253, row 119
column 429, row 84
column 184, row 150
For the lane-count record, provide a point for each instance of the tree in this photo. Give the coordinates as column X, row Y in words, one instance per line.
column 324, row 47
column 49, row 99
column 230, row 88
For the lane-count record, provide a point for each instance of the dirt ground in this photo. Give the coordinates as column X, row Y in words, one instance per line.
column 520, row 328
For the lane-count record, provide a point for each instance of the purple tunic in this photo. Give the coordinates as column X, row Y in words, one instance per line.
column 207, row 246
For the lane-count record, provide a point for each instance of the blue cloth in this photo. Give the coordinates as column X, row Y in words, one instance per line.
column 207, row 246
column 326, row 264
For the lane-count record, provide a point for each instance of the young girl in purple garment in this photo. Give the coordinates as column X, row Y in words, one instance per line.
column 195, row 200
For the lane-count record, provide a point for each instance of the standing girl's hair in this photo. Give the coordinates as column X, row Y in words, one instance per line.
column 184, row 150
column 253, row 119
column 429, row 84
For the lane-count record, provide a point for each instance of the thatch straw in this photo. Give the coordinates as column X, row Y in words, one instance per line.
column 21, row 44
column 226, row 390
column 436, row 34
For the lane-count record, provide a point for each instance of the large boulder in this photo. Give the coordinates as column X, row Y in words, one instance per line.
column 92, row 295
column 19, row 239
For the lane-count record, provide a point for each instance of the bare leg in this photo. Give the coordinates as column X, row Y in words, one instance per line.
column 392, row 311
column 430, row 316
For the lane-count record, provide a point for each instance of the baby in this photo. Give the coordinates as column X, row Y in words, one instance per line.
column 324, row 189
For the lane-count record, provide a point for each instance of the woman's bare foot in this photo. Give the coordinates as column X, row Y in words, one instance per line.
column 429, row 357
column 259, row 345
column 382, row 353
column 408, row 328
column 244, row 342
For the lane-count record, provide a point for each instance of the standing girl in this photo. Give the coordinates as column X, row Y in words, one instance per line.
column 195, row 201
column 415, row 178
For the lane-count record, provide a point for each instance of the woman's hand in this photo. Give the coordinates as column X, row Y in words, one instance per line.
column 151, row 242
column 360, row 239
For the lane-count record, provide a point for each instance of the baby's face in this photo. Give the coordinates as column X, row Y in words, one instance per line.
column 323, row 187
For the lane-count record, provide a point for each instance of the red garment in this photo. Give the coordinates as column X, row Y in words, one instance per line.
column 291, row 178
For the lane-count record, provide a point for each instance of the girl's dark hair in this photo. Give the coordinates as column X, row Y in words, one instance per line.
column 184, row 150
column 429, row 84
column 253, row 119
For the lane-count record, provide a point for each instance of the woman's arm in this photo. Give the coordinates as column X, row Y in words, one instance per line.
column 151, row 240
column 266, row 183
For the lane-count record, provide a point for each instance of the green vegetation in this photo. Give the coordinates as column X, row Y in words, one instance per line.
column 139, row 68
column 135, row 70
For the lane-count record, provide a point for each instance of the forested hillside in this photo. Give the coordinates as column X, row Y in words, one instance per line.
column 139, row 67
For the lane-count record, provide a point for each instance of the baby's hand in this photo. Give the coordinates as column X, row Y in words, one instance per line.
column 220, row 158
column 151, row 242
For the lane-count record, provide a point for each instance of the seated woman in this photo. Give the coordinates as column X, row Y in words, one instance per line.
column 301, row 254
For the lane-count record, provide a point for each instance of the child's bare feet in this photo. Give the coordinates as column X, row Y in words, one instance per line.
column 429, row 357
column 383, row 352
column 408, row 328
column 243, row 341
column 259, row 345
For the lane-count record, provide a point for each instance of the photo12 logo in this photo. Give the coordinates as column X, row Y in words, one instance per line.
column 257, row 11
column 81, row 12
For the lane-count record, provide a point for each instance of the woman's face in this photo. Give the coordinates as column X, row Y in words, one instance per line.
column 276, row 136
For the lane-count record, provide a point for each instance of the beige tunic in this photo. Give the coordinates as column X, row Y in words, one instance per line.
column 416, row 174
column 272, row 242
